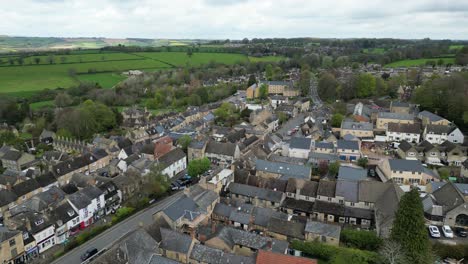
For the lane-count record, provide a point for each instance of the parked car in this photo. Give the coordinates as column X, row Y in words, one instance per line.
column 89, row 253
column 434, row 231
column 461, row 232
column 447, row 231
column 174, row 186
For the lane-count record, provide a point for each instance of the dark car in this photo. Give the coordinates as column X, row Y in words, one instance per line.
column 175, row 186
column 461, row 232
column 89, row 253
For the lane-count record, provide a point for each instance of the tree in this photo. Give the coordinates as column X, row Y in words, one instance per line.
column 184, row 142
column 282, row 117
column 189, row 52
column 50, row 59
column 37, row 60
column 327, row 62
column 197, row 167
column 158, row 183
column 304, row 80
column 327, row 87
column 409, row 229
column 263, row 91
column 252, row 80
column 333, row 168
column 363, row 162
column 365, row 85
column 336, row 120
column 269, row 72
column 392, row 253
column 20, row 60
column 461, row 57
column 63, row 100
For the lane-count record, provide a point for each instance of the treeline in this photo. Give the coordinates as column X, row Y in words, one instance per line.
column 446, row 96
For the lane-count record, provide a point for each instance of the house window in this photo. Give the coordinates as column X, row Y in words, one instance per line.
column 307, row 198
column 352, row 220
column 341, row 201
column 12, row 242
column 352, row 204
column 367, row 204
column 329, row 199
column 14, row 252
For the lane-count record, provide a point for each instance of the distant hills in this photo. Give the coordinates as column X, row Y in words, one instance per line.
column 13, row 44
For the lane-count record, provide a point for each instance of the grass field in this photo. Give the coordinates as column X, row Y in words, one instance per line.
column 101, row 67
column 39, row 105
column 266, row 59
column 455, row 47
column 374, row 51
column 417, row 62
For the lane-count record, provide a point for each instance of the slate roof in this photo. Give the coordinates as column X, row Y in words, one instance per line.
column 261, row 216
column 291, row 229
column 6, row 197
column 197, row 144
column 180, row 207
column 370, row 191
column 326, row 188
column 175, row 241
column 431, row 116
column 399, row 104
column 299, row 205
column 323, row 229
column 171, row 157
column 362, row 126
column 405, row 146
column 387, row 205
column 251, row 191
column 324, row 145
column 448, row 196
column 285, row 169
column 438, row 129
column 204, row 254
column 404, row 128
column 25, row 187
column 64, row 213
column 227, row 149
column 223, row 210
column 328, row 208
column 359, row 213
column 405, row 165
column 348, row 190
column 300, row 143
column 352, row 173
column 46, row 179
column 12, row 155
column 398, row 116
column 348, row 144
column 6, row 234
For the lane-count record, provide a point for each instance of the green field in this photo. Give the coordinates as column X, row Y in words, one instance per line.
column 374, row 51
column 417, row 62
column 266, row 59
column 455, row 47
column 39, row 105
column 104, row 68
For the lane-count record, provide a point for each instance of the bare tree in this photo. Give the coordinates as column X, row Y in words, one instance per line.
column 392, row 253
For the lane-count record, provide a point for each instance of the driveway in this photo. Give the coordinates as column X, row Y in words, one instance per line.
column 110, row 236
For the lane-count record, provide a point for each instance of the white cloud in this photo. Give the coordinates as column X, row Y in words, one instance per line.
column 235, row 19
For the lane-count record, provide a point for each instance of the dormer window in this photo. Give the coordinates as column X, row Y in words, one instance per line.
column 71, row 213
column 39, row 221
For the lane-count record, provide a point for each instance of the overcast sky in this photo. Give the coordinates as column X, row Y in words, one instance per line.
column 235, row 19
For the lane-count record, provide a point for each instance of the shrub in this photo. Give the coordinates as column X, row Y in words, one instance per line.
column 122, row 213
column 335, row 255
column 361, row 239
column 458, row 251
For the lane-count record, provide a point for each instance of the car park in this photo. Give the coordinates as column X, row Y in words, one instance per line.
column 434, row 231
column 447, row 231
column 88, row 254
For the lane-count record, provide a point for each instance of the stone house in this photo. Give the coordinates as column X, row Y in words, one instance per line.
column 400, row 132
column 11, row 246
column 436, row 134
column 406, row 172
column 323, row 232
column 348, row 150
column 429, row 118
column 196, row 150
column 16, row 160
column 256, row 196
column 357, row 129
column 383, row 118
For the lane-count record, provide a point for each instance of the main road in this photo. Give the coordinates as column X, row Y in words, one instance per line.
column 113, row 234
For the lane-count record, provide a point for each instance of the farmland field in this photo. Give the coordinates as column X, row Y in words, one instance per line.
column 374, row 51
column 417, row 62
column 266, row 59
column 39, row 105
column 102, row 67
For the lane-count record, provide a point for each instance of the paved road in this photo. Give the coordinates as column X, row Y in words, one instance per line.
column 113, row 234
column 290, row 124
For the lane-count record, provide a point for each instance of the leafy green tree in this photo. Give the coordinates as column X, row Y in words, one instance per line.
column 269, row 72
column 361, row 239
column 63, row 100
column 333, row 168
column 37, row 60
column 365, row 85
column 282, row 117
column 158, row 183
column 327, row 87
column 197, row 167
column 251, row 80
column 184, row 142
column 363, row 162
column 304, row 80
column 327, row 62
column 336, row 120
column 409, row 229
column 263, row 92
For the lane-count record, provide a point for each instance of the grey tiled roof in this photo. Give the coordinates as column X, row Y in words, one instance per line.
column 175, row 241
column 300, row 143
column 324, row 145
column 406, row 165
column 348, row 144
column 404, row 128
column 431, row 116
column 438, row 129
column 326, row 188
column 348, row 190
column 251, row 191
column 323, row 229
column 6, row 234
column 398, row 116
column 293, row 170
column 204, row 254
column 363, row 126
column 351, row 173
column 178, row 209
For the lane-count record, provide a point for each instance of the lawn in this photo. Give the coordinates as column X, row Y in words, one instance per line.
column 105, row 80
column 266, row 59
column 374, row 51
column 417, row 62
column 198, row 58
column 39, row 105
column 455, row 47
